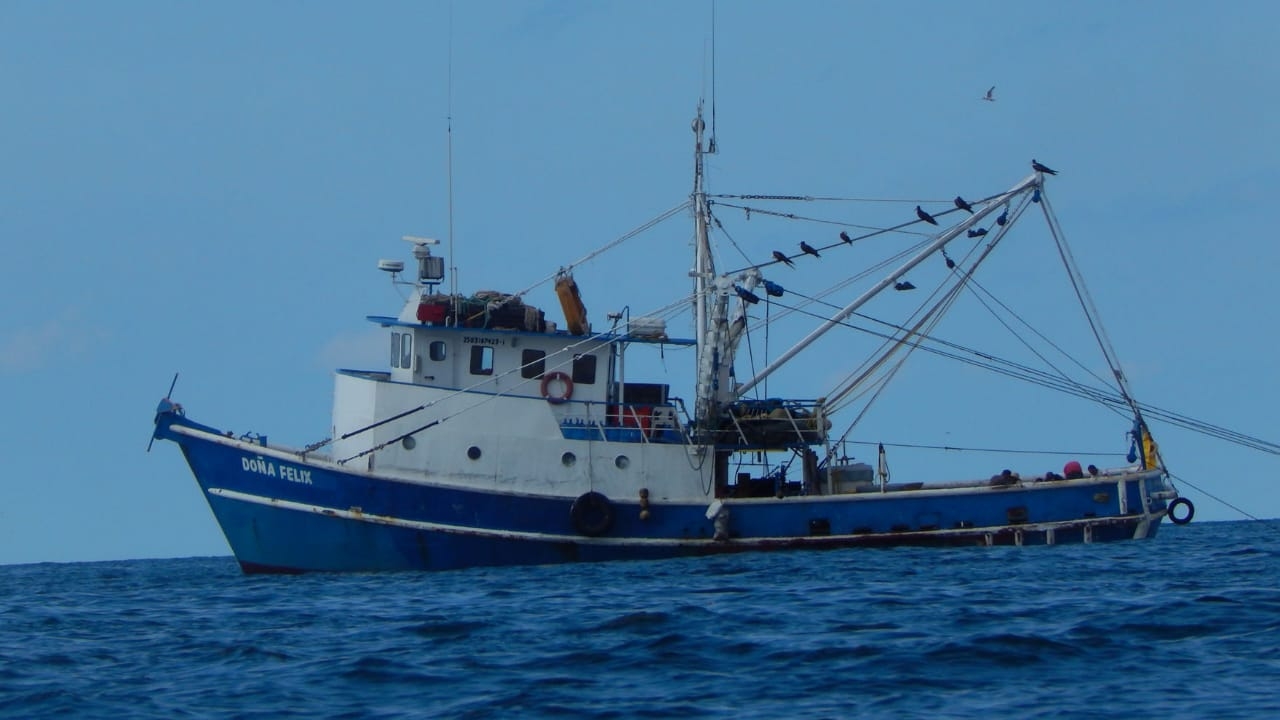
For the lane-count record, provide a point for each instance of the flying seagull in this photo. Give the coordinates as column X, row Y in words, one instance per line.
column 991, row 94
column 925, row 216
column 782, row 258
column 809, row 249
column 845, row 237
column 1042, row 168
column 963, row 205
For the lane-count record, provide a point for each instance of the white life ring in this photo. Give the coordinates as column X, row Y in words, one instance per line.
column 550, row 377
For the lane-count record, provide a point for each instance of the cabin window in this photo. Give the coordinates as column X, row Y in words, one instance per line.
column 481, row 360
column 436, row 350
column 584, row 369
column 395, row 349
column 532, row 363
column 406, row 351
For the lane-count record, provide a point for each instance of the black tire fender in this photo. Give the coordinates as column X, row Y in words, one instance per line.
column 592, row 514
column 1173, row 517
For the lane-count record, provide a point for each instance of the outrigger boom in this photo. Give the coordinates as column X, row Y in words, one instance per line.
column 1029, row 184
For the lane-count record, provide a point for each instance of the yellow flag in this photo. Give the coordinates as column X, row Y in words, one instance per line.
column 1150, row 453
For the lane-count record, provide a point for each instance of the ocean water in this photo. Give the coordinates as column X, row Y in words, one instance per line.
column 1186, row 625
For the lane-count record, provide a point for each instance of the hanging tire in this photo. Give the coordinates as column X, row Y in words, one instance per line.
column 592, row 514
column 1173, row 516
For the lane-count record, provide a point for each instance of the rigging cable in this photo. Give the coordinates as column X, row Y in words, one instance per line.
column 605, row 248
column 1105, row 395
column 1003, row 451
column 996, row 365
column 720, row 226
column 871, row 270
column 920, row 330
column 1086, row 303
column 821, row 198
column 1210, row 495
column 900, row 227
column 924, row 326
column 872, row 229
column 1087, row 392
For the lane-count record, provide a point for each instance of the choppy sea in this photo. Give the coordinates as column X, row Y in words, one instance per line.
column 1185, row 625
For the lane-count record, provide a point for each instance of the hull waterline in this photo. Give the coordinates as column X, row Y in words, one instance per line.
column 283, row 512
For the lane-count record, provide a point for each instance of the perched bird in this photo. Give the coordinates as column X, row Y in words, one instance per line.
column 963, row 205
column 904, row 285
column 808, row 249
column 1042, row 168
column 782, row 258
column 991, row 94
column 925, row 216
column 845, row 237
column 977, row 232
column 1004, row 217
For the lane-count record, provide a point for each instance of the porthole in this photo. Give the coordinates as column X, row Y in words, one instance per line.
column 473, row 452
column 568, row 459
column 408, row 442
column 622, row 461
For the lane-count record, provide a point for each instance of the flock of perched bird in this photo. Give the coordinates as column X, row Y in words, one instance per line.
column 960, row 203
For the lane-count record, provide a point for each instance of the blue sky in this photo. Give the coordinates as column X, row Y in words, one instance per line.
column 206, row 188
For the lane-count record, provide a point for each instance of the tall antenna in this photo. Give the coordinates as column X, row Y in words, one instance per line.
column 711, row 142
column 453, row 258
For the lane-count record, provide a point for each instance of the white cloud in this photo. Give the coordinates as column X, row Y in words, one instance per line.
column 362, row 350
column 63, row 336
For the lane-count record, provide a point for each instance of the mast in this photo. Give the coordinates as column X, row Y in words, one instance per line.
column 703, row 275
column 453, row 257
column 939, row 242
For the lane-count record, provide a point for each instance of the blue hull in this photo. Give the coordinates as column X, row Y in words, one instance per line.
column 281, row 513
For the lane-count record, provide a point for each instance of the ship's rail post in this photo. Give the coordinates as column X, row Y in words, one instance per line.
column 601, row 426
column 742, row 436
column 791, row 417
column 630, row 411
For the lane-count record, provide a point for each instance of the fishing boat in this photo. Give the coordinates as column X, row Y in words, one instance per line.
column 495, row 436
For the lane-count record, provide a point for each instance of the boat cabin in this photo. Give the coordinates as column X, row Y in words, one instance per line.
column 494, row 344
column 511, row 362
